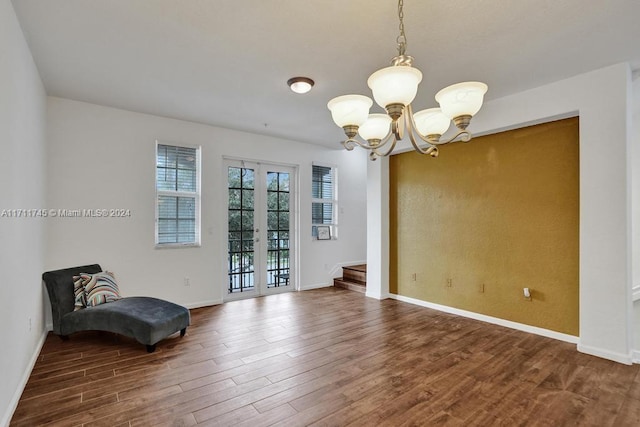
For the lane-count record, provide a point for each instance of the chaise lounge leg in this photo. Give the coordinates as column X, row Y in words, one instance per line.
column 151, row 348
column 64, row 337
column 183, row 331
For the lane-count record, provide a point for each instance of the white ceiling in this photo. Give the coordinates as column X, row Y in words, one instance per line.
column 226, row 62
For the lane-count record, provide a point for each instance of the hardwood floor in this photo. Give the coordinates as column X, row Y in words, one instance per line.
column 327, row 357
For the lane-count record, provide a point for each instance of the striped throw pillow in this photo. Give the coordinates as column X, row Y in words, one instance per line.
column 78, row 291
column 99, row 288
column 102, row 288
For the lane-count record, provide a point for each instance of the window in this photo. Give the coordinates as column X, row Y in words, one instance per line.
column 177, row 196
column 324, row 203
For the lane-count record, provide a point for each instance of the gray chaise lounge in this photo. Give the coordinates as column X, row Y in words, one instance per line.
column 147, row 320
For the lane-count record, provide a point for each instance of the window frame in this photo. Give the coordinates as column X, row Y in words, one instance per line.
column 175, row 193
column 333, row 226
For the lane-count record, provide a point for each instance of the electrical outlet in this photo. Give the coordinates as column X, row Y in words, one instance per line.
column 482, row 288
column 414, row 277
column 449, row 283
column 187, row 282
column 30, row 323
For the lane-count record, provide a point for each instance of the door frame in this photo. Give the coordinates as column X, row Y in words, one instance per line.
column 294, row 232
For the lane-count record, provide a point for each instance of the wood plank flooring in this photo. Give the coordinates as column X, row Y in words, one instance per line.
column 327, row 357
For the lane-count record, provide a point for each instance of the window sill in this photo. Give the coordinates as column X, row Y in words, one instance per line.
column 177, row 245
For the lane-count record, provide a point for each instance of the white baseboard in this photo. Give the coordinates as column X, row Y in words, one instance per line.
column 202, row 304
column 315, row 286
column 627, row 359
column 635, row 356
column 379, row 296
column 489, row 319
column 636, row 292
column 6, row 419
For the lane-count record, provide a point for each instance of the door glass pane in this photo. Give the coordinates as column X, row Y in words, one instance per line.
column 277, row 229
column 241, row 184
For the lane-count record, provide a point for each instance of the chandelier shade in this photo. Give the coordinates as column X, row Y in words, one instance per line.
column 395, row 85
column 462, row 99
column 375, row 128
column 431, row 122
column 350, row 110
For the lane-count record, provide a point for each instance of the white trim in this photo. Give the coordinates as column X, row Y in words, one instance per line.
column 380, row 296
column 236, row 296
column 203, row 304
column 315, row 286
column 335, row 207
column 627, row 359
column 13, row 404
column 196, row 195
column 489, row 319
column 324, row 164
column 260, row 168
column 276, row 290
column 636, row 292
column 635, row 356
column 176, row 245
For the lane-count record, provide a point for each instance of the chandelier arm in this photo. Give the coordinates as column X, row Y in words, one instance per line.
column 391, row 147
column 431, row 148
column 386, row 140
column 364, row 145
column 411, row 125
column 348, row 144
column 412, row 129
column 397, row 130
column 351, row 141
column 465, row 137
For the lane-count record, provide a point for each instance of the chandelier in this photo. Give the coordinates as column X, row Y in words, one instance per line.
column 394, row 88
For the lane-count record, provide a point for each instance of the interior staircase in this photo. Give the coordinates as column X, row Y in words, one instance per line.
column 354, row 278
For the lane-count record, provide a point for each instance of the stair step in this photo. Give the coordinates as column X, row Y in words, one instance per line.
column 355, row 273
column 347, row 284
column 359, row 267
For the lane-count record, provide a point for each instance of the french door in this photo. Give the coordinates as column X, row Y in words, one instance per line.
column 260, row 220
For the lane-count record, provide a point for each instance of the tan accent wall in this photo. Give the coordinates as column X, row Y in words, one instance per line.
column 486, row 219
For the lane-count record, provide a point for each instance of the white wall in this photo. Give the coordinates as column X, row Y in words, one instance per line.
column 635, row 209
column 105, row 158
column 377, row 228
column 22, row 186
column 602, row 100
column 635, row 181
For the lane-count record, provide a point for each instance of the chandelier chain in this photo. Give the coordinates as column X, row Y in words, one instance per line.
column 402, row 38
